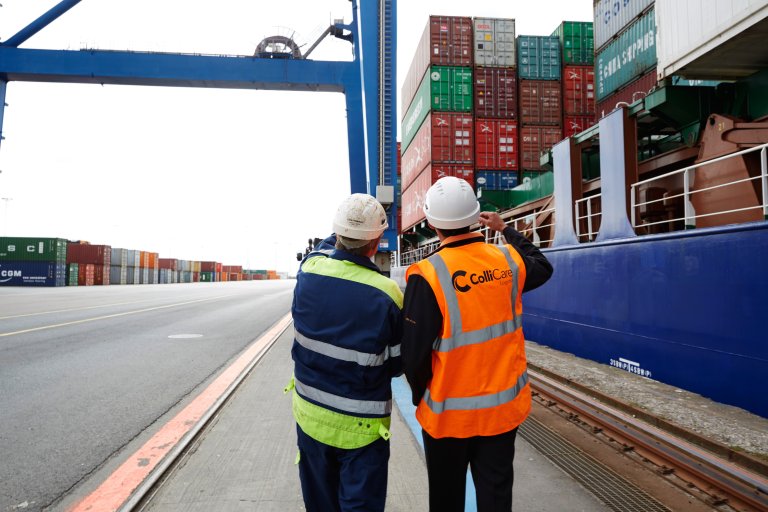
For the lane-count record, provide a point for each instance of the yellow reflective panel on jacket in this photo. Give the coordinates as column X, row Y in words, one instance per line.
column 350, row 271
column 479, row 383
column 338, row 430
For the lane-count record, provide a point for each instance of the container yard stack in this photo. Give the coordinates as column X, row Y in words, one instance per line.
column 495, row 104
column 437, row 124
column 100, row 256
column 578, row 51
column 168, row 270
column 233, row 272
column 625, row 52
column 118, row 270
column 33, row 261
column 540, row 99
column 208, row 272
column 133, row 267
column 195, row 269
column 72, row 274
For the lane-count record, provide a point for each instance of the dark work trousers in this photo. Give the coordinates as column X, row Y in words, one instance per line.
column 490, row 459
column 335, row 479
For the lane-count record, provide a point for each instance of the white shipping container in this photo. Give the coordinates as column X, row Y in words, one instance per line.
column 494, row 42
column 613, row 16
column 705, row 39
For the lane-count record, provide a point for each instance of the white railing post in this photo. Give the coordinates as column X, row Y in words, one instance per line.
column 764, row 179
column 690, row 221
column 536, row 239
column 576, row 217
column 589, row 220
column 632, row 205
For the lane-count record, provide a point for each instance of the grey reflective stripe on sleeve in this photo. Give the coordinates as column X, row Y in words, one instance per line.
column 449, row 292
column 344, row 404
column 462, row 339
column 515, row 274
column 345, row 354
column 474, row 403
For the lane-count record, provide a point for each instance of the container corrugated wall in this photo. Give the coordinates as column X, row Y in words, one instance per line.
column 494, row 42
column 32, row 273
column 496, row 180
column 495, row 144
column 33, row 249
column 538, row 57
column 612, row 17
column 534, row 140
column 444, row 138
column 495, row 91
column 446, row 41
column 540, row 102
column 631, row 55
column 636, row 90
column 577, row 42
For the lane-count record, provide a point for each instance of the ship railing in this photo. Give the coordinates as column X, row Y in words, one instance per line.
column 528, row 227
column 689, row 215
column 590, row 217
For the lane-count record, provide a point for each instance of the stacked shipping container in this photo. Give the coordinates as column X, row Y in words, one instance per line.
column 33, row 261
column 625, row 56
column 540, row 98
column 578, row 51
column 437, row 101
column 100, row 256
column 496, row 108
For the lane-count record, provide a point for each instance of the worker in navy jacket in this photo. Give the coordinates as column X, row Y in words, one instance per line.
column 346, row 350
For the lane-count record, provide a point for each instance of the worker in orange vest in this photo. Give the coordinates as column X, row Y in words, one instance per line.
column 463, row 348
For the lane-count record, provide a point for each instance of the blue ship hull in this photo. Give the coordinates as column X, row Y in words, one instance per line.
column 688, row 309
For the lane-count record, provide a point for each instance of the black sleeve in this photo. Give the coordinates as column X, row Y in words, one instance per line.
column 422, row 321
column 538, row 269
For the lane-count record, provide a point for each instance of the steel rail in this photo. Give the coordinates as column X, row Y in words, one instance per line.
column 727, row 482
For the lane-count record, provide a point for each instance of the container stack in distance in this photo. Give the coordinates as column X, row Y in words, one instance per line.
column 34, row 261
column 578, row 51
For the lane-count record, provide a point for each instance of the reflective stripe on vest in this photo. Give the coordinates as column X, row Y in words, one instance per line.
column 345, row 354
column 458, row 337
column 337, row 429
column 350, row 271
column 372, row 407
column 477, row 402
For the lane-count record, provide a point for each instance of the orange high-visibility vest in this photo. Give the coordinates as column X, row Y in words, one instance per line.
column 479, row 383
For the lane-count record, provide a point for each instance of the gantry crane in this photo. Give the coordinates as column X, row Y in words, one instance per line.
column 367, row 82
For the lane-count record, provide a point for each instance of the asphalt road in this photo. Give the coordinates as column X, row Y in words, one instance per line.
column 86, row 371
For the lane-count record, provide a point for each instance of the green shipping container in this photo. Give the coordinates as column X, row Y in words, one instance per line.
column 33, row 249
column 538, row 58
column 631, row 55
column 73, row 270
column 206, row 277
column 533, row 186
column 443, row 89
column 577, row 40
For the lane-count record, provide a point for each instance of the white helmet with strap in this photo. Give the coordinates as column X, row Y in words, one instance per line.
column 451, row 204
column 360, row 217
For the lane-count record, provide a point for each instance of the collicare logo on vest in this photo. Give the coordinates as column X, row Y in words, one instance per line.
column 459, row 278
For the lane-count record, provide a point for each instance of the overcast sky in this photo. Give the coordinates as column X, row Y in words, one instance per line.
column 242, row 177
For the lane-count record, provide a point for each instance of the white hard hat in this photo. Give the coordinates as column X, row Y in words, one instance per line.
column 360, row 217
column 451, row 204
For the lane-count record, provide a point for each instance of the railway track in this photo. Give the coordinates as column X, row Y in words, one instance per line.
column 717, row 475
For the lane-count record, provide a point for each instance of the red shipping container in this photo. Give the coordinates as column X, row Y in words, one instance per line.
column 496, row 144
column 101, row 275
column 85, row 274
column 578, row 90
column 534, row 140
column 399, row 160
column 168, row 263
column 232, row 269
column 576, row 124
column 446, row 41
column 445, row 138
column 495, row 91
column 540, row 102
column 207, row 266
column 86, row 253
column 627, row 95
column 413, row 197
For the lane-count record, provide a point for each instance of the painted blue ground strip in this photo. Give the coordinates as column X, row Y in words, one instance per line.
column 401, row 392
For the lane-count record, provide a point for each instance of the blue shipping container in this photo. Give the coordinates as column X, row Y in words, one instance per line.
column 496, row 180
column 538, row 57
column 32, row 273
